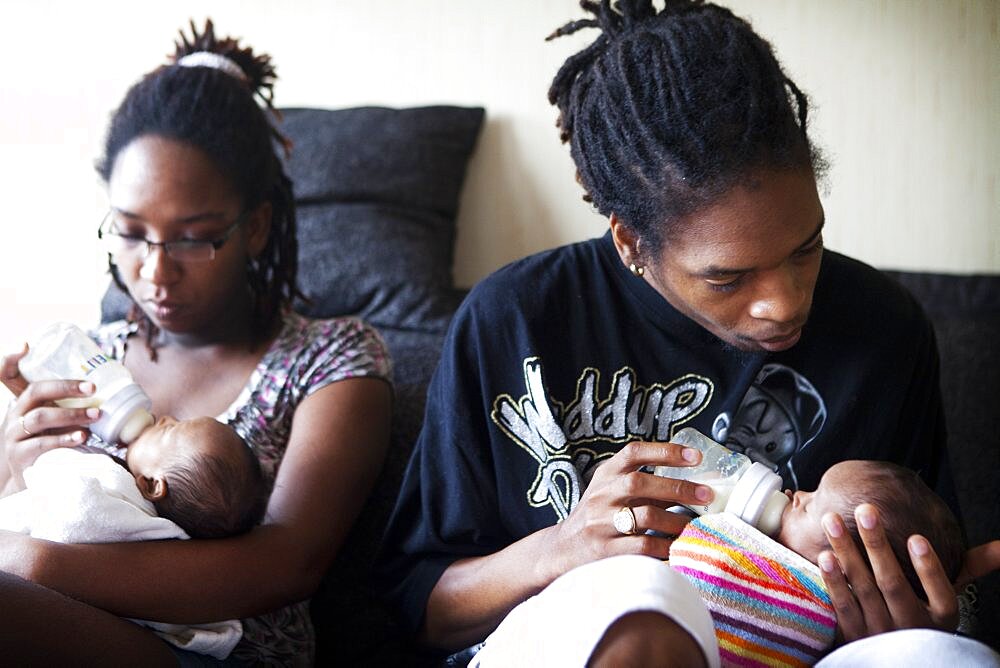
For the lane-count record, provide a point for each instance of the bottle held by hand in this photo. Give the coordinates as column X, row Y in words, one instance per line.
column 748, row 489
column 64, row 351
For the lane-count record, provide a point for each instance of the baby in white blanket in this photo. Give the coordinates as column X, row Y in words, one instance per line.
column 190, row 478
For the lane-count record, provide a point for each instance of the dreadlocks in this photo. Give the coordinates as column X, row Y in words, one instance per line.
column 667, row 110
column 217, row 113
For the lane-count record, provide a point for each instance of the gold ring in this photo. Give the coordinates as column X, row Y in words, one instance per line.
column 624, row 521
column 23, row 428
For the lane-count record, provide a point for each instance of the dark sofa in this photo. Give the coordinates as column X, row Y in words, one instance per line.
column 378, row 190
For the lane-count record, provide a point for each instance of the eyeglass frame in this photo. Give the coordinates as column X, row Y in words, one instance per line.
column 215, row 244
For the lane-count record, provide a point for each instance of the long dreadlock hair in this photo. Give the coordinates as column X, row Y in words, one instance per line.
column 217, row 113
column 667, row 110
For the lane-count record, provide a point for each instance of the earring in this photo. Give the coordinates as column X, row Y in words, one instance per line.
column 637, row 269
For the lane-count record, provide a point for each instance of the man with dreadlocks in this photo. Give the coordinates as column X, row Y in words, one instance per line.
column 709, row 303
column 201, row 233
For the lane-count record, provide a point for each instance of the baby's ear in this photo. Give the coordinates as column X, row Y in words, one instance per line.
column 152, row 489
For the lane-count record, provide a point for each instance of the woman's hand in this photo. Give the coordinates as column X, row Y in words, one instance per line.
column 873, row 600
column 10, row 375
column 588, row 533
column 33, row 423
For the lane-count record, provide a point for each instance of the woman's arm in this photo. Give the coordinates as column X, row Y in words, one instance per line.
column 335, row 451
column 474, row 595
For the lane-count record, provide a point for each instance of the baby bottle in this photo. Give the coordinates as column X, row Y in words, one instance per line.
column 748, row 489
column 63, row 351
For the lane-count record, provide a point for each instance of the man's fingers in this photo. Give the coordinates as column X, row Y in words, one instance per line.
column 860, row 579
column 642, row 453
column 850, row 619
column 941, row 602
column 660, row 520
column 892, row 587
column 645, row 488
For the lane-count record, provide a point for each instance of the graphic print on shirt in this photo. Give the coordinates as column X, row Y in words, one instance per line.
column 780, row 415
column 554, row 433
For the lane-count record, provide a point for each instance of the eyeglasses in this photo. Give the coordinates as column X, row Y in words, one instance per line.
column 184, row 250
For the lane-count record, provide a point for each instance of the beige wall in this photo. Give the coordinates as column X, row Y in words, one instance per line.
column 906, row 95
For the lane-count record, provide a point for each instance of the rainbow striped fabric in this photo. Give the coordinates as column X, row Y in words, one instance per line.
column 769, row 605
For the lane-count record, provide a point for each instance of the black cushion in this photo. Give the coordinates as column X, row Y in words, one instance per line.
column 354, row 626
column 378, row 192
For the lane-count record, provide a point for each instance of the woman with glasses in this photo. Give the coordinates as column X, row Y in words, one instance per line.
column 200, row 233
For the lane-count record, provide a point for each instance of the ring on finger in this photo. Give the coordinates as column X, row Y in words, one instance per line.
column 23, row 428
column 624, row 521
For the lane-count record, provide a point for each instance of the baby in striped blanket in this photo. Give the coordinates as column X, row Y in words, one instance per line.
column 766, row 596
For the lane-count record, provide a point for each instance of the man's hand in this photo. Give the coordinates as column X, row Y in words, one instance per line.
column 873, row 600
column 979, row 561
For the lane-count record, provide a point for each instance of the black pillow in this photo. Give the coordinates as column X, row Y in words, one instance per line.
column 377, row 192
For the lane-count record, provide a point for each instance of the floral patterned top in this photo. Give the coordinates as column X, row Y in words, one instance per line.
column 306, row 355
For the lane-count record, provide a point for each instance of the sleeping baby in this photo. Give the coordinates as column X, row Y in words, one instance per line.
column 766, row 596
column 179, row 479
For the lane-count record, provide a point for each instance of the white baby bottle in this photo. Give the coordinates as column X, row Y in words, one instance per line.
column 64, row 351
column 748, row 489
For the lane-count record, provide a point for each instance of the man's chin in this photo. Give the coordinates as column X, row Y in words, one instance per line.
column 773, row 345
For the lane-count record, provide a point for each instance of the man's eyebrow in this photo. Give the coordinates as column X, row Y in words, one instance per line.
column 714, row 271
column 196, row 218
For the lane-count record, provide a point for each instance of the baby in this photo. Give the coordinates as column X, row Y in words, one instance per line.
column 195, row 474
column 180, row 478
column 767, row 598
column 199, row 474
column 905, row 505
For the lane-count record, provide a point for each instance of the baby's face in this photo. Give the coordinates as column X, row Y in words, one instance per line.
column 801, row 529
column 160, row 445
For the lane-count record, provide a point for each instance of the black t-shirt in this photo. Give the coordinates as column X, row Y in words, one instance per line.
column 556, row 361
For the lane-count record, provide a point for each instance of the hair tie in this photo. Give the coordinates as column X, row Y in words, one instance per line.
column 215, row 61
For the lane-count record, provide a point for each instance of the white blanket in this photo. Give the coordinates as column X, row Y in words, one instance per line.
column 77, row 496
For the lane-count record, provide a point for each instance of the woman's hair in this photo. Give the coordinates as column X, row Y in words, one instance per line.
column 217, row 113
column 907, row 506
column 667, row 110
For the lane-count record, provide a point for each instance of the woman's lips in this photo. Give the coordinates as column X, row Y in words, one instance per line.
column 164, row 310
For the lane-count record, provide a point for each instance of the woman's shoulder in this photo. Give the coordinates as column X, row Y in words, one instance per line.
column 346, row 344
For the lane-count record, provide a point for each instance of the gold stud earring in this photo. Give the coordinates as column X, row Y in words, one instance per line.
column 637, row 269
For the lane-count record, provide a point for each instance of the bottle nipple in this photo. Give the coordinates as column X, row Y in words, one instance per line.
column 770, row 518
column 757, row 498
column 134, row 425
column 123, row 415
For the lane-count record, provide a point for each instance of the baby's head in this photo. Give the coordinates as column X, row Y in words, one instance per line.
column 905, row 505
column 200, row 474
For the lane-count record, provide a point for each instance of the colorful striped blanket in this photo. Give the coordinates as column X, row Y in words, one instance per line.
column 768, row 604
